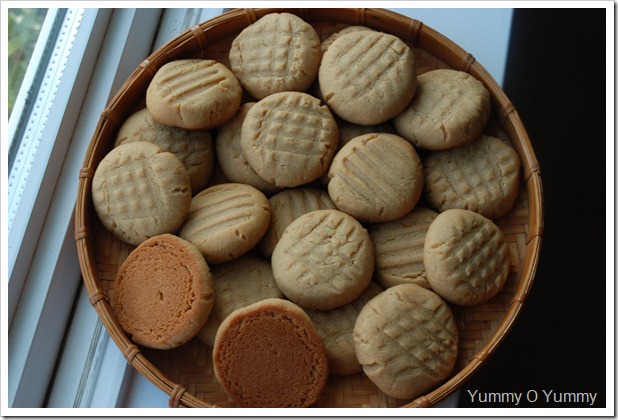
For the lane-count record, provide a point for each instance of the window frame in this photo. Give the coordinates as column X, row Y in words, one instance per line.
column 44, row 273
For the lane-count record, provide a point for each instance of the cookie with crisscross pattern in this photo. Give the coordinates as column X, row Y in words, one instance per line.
column 466, row 257
column 289, row 138
column 323, row 260
column 279, row 52
column 406, row 339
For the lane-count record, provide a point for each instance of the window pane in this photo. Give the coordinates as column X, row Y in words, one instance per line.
column 23, row 30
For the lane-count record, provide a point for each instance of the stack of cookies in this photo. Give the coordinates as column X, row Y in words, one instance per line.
column 309, row 209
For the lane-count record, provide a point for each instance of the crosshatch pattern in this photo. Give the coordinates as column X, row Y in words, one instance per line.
column 186, row 373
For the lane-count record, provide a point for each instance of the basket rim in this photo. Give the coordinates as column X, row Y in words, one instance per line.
column 416, row 34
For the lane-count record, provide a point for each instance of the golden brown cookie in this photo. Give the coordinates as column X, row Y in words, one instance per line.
column 231, row 160
column 376, row 177
column 140, row 191
column 406, row 339
column 268, row 354
column 330, row 39
column 450, row 109
column 399, row 247
column 194, row 148
column 225, row 221
column 277, row 53
column 482, row 176
column 336, row 326
column 163, row 292
column 466, row 257
column 288, row 205
column 193, row 94
column 367, row 77
column 289, row 138
column 323, row 260
column 241, row 282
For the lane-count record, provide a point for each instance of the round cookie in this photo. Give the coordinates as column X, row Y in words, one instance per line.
column 367, row 77
column 277, row 53
column 466, row 257
column 406, row 339
column 482, row 176
column 336, row 326
column 289, row 138
column 399, row 247
column 323, row 260
column 163, row 292
column 288, row 205
column 140, row 191
column 194, row 148
column 376, row 177
column 268, row 354
column 193, row 94
column 232, row 162
column 225, row 221
column 450, row 109
column 238, row 283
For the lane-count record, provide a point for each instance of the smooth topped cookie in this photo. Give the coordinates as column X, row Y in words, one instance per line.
column 194, row 148
column 193, row 94
column 288, row 205
column 246, row 280
column 376, row 177
column 231, row 160
column 268, row 354
column 407, row 340
column 279, row 52
column 399, row 247
column 225, row 221
column 163, row 292
column 449, row 109
column 323, row 260
column 289, row 138
column 140, row 191
column 336, row 326
column 482, row 176
column 466, row 257
column 367, row 77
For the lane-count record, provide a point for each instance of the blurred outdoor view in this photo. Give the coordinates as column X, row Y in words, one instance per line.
column 24, row 26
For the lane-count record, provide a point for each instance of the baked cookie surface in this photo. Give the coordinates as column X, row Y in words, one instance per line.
column 406, row 339
column 336, row 326
column 466, row 257
column 163, row 292
column 231, row 160
column 450, row 108
column 279, row 52
column 194, row 148
column 268, row 354
column 482, row 176
column 376, row 177
column 289, row 138
column 140, row 191
column 399, row 247
column 367, row 77
column 193, row 94
column 246, row 280
column 286, row 206
column 225, row 221
column 323, row 260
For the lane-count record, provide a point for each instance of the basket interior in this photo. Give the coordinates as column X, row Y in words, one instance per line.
column 186, row 372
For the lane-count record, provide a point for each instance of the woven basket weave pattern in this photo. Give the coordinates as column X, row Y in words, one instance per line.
column 186, row 373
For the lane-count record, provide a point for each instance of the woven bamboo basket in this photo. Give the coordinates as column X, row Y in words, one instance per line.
column 186, row 373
